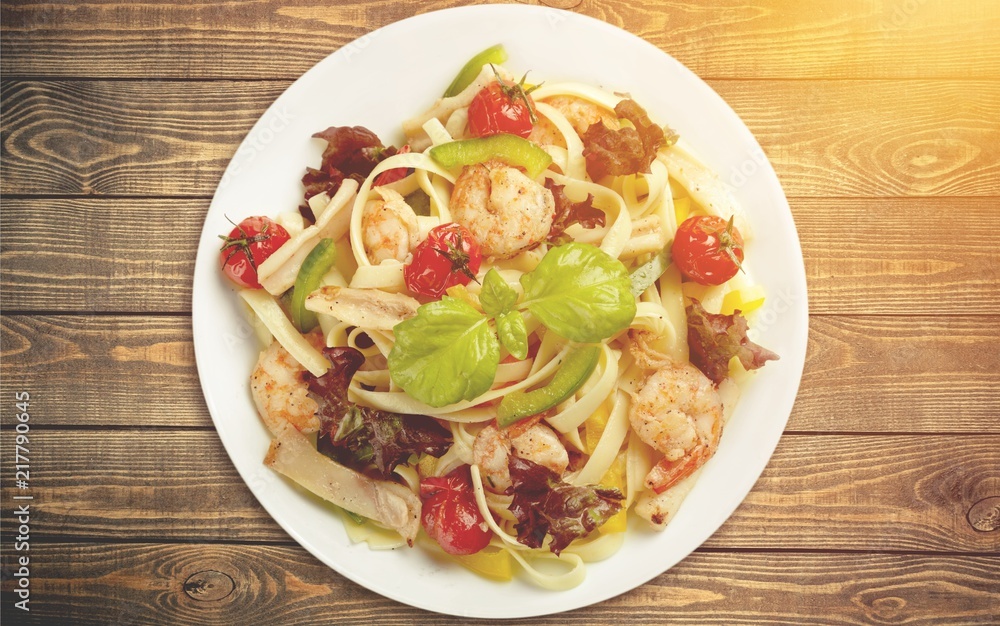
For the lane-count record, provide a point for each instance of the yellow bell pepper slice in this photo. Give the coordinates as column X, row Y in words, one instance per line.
column 682, row 209
column 615, row 477
column 746, row 299
column 495, row 564
column 594, row 427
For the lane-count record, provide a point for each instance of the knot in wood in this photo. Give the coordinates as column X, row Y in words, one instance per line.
column 984, row 515
column 209, row 586
column 933, row 159
column 888, row 608
column 880, row 609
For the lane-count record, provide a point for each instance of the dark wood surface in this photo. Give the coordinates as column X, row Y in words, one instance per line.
column 882, row 502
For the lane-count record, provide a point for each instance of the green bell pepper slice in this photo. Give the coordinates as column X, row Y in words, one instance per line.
column 512, row 149
column 317, row 263
column 494, row 54
column 575, row 369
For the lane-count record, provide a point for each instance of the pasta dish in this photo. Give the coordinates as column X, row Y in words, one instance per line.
column 509, row 339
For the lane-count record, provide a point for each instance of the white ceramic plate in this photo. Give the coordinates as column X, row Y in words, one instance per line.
column 393, row 73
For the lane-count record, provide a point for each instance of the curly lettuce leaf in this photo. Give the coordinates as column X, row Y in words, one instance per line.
column 628, row 150
column 569, row 213
column 364, row 438
column 580, row 292
column 715, row 339
column 545, row 505
column 445, row 354
column 351, row 152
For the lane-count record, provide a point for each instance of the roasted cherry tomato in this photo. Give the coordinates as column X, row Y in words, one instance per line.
column 450, row 514
column 502, row 107
column 247, row 246
column 449, row 256
column 708, row 249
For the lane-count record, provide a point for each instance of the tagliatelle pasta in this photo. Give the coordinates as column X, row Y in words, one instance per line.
column 550, row 388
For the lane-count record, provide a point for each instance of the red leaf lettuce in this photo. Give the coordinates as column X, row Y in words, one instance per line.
column 628, row 150
column 361, row 437
column 351, row 152
column 715, row 339
column 545, row 505
column 569, row 213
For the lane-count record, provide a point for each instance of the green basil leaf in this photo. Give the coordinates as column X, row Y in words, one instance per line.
column 445, row 354
column 513, row 333
column 496, row 296
column 580, row 292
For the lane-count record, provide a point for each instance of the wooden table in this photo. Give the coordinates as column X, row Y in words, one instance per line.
column 882, row 502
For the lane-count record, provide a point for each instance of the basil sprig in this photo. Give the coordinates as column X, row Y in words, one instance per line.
column 449, row 352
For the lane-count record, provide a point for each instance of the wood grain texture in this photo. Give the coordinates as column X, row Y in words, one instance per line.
column 128, row 255
column 913, row 256
column 721, row 39
column 105, row 371
column 910, row 256
column 145, row 584
column 873, row 493
column 863, row 374
column 902, row 374
column 824, row 138
column 875, row 138
column 141, row 138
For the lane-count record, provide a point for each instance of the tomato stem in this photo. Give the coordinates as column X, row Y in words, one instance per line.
column 458, row 258
column 727, row 244
column 517, row 91
column 242, row 243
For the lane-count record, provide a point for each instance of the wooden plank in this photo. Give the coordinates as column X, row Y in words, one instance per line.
column 907, row 256
column 128, row 255
column 874, row 138
column 902, row 374
column 155, row 485
column 717, row 39
column 92, row 371
column 883, row 374
column 141, row 138
column 896, row 256
column 825, row 138
column 158, row 584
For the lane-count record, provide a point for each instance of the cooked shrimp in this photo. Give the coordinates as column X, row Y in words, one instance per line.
column 580, row 113
column 538, row 444
column 506, row 211
column 280, row 391
column 545, row 133
column 389, row 227
column 678, row 412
